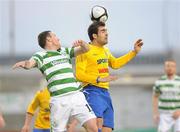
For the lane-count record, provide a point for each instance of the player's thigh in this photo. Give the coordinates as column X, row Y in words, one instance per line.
column 108, row 118
column 81, row 109
column 177, row 125
column 165, row 123
column 96, row 102
column 60, row 113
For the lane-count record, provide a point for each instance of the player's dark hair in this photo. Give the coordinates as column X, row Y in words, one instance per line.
column 93, row 28
column 42, row 38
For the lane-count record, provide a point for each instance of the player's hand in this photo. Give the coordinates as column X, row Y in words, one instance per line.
column 107, row 79
column 79, row 43
column 176, row 114
column 156, row 118
column 138, row 45
column 19, row 64
column 25, row 128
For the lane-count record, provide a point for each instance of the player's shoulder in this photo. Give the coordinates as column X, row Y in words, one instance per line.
column 161, row 79
column 106, row 48
column 164, row 77
column 43, row 92
column 40, row 53
column 177, row 78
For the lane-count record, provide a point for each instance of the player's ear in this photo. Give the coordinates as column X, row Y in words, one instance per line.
column 94, row 36
column 48, row 39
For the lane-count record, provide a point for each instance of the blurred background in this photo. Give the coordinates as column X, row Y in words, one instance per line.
column 157, row 22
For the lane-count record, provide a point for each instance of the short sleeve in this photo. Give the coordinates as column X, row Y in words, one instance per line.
column 156, row 89
column 38, row 58
column 70, row 51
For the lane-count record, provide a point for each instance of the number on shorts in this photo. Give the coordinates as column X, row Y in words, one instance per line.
column 89, row 108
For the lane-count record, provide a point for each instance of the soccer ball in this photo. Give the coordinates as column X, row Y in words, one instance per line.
column 98, row 13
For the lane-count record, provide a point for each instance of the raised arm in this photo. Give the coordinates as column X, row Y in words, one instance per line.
column 27, row 64
column 80, row 47
column 116, row 63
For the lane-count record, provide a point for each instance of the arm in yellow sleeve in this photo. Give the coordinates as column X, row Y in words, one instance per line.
column 116, row 63
column 34, row 104
column 81, row 74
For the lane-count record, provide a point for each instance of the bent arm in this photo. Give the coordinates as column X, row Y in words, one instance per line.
column 80, row 47
column 116, row 63
column 81, row 70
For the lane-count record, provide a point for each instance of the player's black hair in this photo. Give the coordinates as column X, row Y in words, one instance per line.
column 42, row 38
column 93, row 28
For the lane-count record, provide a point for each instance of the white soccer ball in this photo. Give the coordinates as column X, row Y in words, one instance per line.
column 98, row 13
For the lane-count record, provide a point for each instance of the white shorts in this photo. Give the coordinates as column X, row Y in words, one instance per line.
column 167, row 122
column 64, row 107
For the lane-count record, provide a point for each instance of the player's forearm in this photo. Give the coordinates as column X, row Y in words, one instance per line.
column 84, row 47
column 155, row 104
column 28, row 119
column 121, row 61
column 28, row 64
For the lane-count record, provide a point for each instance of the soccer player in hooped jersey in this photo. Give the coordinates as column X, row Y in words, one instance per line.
column 166, row 99
column 66, row 99
column 92, row 68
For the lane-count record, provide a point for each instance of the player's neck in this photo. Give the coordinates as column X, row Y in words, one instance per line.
column 95, row 43
column 171, row 77
column 51, row 48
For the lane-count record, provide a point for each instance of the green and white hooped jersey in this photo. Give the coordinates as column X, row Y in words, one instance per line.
column 57, row 68
column 169, row 93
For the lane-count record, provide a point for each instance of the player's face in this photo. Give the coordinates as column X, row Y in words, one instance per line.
column 102, row 36
column 54, row 40
column 170, row 68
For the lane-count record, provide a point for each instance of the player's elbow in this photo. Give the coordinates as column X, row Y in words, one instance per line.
column 115, row 66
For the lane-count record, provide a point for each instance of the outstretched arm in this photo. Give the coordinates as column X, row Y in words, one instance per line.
column 116, row 63
column 27, row 64
column 80, row 47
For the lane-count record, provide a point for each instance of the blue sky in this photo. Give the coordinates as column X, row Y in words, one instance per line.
column 155, row 21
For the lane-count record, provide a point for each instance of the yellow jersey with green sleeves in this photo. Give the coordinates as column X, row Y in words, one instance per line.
column 96, row 62
column 41, row 101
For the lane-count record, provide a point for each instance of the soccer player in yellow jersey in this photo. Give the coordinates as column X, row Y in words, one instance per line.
column 92, row 68
column 42, row 122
